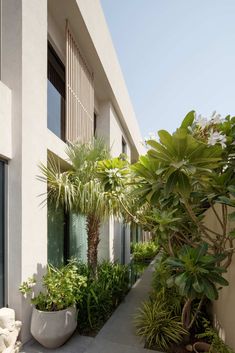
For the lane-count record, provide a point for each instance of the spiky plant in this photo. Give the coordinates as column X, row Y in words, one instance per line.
column 80, row 188
column 157, row 325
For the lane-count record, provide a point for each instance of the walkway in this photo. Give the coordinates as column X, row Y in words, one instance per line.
column 118, row 334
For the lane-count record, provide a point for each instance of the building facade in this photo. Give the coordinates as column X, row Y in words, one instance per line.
column 60, row 81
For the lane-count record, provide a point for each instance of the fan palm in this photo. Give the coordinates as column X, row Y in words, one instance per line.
column 81, row 190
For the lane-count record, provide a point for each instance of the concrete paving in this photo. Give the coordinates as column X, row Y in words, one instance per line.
column 118, row 334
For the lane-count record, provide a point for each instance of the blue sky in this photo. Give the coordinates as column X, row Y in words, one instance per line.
column 176, row 56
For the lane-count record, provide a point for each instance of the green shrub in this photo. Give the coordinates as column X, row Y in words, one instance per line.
column 171, row 294
column 157, row 325
column 62, row 288
column 197, row 273
column 144, row 251
column 102, row 294
column 217, row 344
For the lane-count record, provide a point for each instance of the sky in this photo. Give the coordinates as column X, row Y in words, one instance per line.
column 176, row 56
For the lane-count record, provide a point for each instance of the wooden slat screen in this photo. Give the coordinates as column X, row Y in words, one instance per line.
column 79, row 93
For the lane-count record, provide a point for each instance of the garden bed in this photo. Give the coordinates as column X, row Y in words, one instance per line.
column 104, row 293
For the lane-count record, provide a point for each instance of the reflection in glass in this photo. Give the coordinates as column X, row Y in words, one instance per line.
column 55, row 94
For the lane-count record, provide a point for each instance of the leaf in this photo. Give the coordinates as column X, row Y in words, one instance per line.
column 181, row 279
column 171, row 182
column 183, row 183
column 166, row 140
column 188, row 120
column 231, row 216
column 210, row 290
column 198, row 286
column 201, row 251
column 232, row 234
column 174, row 262
column 219, row 279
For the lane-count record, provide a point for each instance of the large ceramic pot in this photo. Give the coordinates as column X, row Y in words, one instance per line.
column 53, row 328
column 200, row 347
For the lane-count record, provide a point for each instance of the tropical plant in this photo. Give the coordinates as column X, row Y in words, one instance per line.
column 143, row 251
column 89, row 187
column 183, row 175
column 211, row 335
column 157, row 326
column 101, row 295
column 62, row 288
column 190, row 171
column 197, row 274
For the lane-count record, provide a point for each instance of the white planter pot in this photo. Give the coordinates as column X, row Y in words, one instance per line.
column 52, row 329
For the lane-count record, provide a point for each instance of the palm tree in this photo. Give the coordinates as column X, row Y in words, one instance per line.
column 93, row 186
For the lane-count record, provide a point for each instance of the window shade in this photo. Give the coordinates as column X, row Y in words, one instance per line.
column 79, row 93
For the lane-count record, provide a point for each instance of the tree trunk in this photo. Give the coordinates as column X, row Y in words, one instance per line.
column 93, row 227
column 185, row 317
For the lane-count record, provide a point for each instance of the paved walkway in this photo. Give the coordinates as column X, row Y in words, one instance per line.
column 118, row 334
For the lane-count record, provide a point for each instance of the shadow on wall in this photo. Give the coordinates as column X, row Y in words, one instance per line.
column 27, row 306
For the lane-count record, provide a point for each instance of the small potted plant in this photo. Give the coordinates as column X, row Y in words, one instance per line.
column 54, row 316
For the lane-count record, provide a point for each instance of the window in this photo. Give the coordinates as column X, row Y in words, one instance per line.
column 56, row 231
column 55, row 94
column 67, row 237
column 95, row 123
column 123, row 243
column 2, row 230
column 124, row 147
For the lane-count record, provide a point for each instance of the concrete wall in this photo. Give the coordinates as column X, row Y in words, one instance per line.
column 25, row 139
column 93, row 16
column 5, row 122
column 24, row 71
column 109, row 127
column 223, row 308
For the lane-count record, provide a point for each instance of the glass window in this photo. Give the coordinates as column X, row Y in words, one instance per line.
column 2, row 230
column 56, row 228
column 55, row 94
column 95, row 124
column 67, row 237
column 77, row 237
column 124, row 148
column 123, row 243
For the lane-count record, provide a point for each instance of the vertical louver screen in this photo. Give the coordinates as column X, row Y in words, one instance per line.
column 79, row 93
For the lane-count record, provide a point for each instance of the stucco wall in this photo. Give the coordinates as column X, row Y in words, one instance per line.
column 5, row 122
column 24, row 71
column 109, row 127
column 224, row 308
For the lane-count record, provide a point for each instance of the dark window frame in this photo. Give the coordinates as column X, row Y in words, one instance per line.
column 56, row 75
column 95, row 123
column 124, row 146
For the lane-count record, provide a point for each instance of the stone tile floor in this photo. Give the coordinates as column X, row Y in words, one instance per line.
column 117, row 335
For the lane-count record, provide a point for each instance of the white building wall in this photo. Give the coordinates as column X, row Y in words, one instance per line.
column 5, row 122
column 111, row 239
column 24, row 71
column 25, row 139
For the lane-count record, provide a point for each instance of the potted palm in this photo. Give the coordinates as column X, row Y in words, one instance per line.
column 54, row 316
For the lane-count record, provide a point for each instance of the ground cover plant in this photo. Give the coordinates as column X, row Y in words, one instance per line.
column 182, row 176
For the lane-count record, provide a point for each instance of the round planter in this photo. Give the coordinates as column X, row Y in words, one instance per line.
column 200, row 347
column 53, row 328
